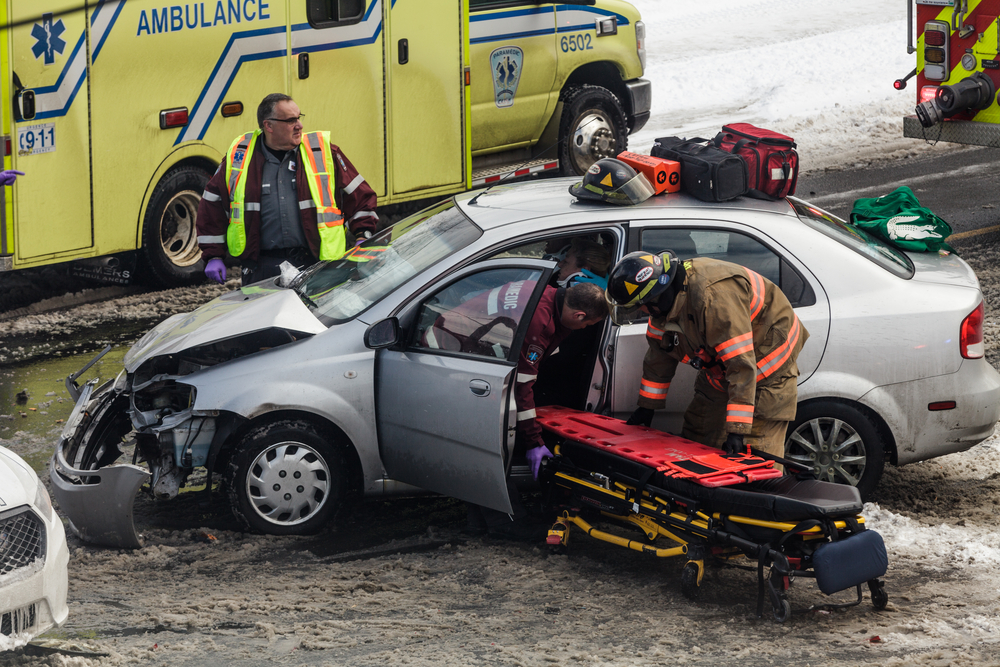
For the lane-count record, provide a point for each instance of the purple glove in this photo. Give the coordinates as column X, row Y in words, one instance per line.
column 216, row 270
column 8, row 176
column 535, row 456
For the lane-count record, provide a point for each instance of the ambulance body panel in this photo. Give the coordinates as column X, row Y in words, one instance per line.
column 409, row 90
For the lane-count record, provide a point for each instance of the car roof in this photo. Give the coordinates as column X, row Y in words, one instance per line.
column 505, row 204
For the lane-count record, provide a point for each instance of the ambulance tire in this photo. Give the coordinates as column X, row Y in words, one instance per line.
column 593, row 126
column 286, row 462
column 826, row 430
column 170, row 254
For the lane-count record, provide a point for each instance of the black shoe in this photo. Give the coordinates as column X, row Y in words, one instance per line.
column 475, row 522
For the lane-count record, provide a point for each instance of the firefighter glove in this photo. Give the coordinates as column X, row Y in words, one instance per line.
column 216, row 270
column 8, row 176
column 641, row 417
column 535, row 456
column 733, row 444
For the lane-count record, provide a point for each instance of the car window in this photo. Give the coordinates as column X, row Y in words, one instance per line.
column 477, row 315
column 735, row 247
column 330, row 13
column 856, row 239
column 339, row 290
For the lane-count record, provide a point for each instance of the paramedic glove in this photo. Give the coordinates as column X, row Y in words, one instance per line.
column 535, row 456
column 641, row 417
column 733, row 444
column 8, row 176
column 216, row 270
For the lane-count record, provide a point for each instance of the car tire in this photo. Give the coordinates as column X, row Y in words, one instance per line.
column 285, row 479
column 170, row 253
column 839, row 443
column 593, row 126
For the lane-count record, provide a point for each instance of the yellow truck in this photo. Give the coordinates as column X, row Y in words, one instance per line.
column 120, row 110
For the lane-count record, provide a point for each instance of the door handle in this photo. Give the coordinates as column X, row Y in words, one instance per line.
column 480, row 388
column 404, row 51
column 303, row 65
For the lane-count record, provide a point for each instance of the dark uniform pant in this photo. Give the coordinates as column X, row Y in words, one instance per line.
column 268, row 265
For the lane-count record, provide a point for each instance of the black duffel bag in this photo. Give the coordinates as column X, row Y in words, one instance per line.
column 707, row 172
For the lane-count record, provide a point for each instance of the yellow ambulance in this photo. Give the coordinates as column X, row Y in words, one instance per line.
column 120, row 111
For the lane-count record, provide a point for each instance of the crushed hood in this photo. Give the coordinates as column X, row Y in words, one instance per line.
column 234, row 314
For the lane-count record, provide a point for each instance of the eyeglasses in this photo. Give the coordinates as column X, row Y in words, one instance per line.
column 288, row 121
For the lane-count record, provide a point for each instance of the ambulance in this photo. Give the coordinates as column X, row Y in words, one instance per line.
column 957, row 72
column 120, row 110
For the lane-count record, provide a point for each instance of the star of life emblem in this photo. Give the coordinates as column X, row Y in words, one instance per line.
column 47, row 39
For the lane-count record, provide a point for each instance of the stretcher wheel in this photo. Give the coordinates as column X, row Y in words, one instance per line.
column 783, row 612
column 879, row 597
column 689, row 581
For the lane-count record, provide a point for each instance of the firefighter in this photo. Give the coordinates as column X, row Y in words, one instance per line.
column 729, row 322
column 281, row 195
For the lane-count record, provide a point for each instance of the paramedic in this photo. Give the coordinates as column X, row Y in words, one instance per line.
column 298, row 199
column 735, row 326
column 559, row 313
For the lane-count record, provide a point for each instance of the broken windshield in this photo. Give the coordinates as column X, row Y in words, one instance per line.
column 340, row 290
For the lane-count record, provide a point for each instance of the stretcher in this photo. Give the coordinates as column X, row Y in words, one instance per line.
column 710, row 506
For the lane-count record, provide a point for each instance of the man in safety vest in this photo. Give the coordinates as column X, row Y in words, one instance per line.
column 731, row 323
column 281, row 195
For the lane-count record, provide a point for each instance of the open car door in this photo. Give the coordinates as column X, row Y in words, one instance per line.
column 444, row 401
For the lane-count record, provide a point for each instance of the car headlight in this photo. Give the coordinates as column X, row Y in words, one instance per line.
column 42, row 500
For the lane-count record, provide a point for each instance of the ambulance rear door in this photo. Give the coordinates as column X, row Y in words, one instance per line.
column 337, row 78
column 52, row 210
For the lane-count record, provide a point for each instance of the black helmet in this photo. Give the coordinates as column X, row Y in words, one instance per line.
column 639, row 278
column 613, row 181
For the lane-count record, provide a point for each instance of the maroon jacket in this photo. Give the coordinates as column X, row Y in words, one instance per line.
column 545, row 333
column 355, row 199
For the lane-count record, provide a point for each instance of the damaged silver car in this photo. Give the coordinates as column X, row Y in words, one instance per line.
column 295, row 396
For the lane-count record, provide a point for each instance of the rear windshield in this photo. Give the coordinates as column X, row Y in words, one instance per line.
column 342, row 289
column 856, row 239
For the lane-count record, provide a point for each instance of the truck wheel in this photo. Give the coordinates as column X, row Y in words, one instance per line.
column 170, row 253
column 839, row 443
column 285, row 479
column 592, row 127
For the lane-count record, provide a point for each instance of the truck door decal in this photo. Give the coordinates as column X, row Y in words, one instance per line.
column 54, row 101
column 270, row 43
column 506, row 63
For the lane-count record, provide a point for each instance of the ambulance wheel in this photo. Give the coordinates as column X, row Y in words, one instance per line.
column 285, row 479
column 592, row 127
column 170, row 252
column 839, row 443
column 689, row 581
column 783, row 611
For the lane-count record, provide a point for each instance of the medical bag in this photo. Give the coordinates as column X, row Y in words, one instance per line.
column 708, row 173
column 772, row 163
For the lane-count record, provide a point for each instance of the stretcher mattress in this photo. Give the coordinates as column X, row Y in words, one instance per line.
column 775, row 498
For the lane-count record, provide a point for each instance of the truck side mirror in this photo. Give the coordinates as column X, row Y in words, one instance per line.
column 384, row 333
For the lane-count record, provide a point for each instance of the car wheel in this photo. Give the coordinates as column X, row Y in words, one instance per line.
column 839, row 443
column 170, row 252
column 592, row 127
column 285, row 479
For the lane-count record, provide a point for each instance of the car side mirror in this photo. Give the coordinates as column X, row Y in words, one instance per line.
column 384, row 333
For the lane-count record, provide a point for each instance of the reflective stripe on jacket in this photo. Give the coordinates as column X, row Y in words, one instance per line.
column 737, row 326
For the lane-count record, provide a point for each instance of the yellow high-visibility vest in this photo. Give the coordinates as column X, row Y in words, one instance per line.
column 314, row 151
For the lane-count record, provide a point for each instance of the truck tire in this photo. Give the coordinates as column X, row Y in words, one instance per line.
column 170, row 254
column 840, row 444
column 592, row 127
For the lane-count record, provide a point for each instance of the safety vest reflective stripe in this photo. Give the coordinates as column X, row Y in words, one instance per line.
column 653, row 332
column 252, row 206
column 757, row 293
column 353, row 185
column 212, row 239
column 735, row 346
column 359, row 254
column 653, row 390
column 524, row 415
column 772, row 362
column 526, row 377
column 237, row 158
column 210, row 196
column 742, row 414
column 362, row 214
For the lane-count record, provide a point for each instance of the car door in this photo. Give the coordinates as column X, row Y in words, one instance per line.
column 731, row 242
column 444, row 399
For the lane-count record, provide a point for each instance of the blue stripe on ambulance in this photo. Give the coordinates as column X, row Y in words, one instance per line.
column 503, row 26
column 104, row 35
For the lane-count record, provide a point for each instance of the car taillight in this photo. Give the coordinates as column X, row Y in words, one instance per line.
column 640, row 43
column 928, row 93
column 971, row 337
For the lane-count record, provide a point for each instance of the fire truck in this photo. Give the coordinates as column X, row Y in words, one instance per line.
column 119, row 111
column 957, row 72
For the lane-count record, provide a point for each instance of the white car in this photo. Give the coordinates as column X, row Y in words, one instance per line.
column 297, row 396
column 33, row 556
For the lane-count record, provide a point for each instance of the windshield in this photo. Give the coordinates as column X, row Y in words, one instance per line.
column 854, row 238
column 340, row 290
